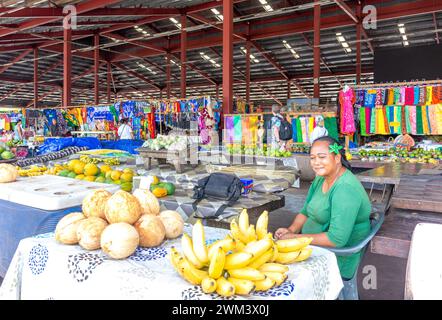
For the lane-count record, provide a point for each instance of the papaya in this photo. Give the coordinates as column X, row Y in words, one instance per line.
column 159, row 192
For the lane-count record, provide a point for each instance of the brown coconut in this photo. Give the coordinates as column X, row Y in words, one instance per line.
column 151, row 230
column 94, row 202
column 66, row 229
column 89, row 232
column 122, row 207
column 173, row 223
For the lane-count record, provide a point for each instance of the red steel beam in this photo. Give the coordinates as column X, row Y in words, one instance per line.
column 51, row 67
column 358, row 45
column 67, row 67
column 183, row 55
column 134, row 42
column 35, row 77
column 81, row 8
column 168, row 80
column 109, row 12
column 270, row 59
column 317, row 50
column 136, row 75
column 96, row 69
column 248, row 47
column 227, row 56
column 108, row 82
column 207, row 6
column 349, row 11
column 289, row 91
column 15, row 60
column 215, row 25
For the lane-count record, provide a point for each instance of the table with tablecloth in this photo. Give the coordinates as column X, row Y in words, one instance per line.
column 44, row 269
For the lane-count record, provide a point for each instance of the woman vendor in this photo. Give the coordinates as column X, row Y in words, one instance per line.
column 337, row 210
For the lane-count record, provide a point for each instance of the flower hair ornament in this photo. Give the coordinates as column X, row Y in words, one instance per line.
column 335, row 148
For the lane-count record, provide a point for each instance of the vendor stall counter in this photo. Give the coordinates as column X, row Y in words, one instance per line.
column 34, row 205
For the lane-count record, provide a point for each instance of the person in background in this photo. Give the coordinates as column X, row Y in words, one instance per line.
column 124, row 130
column 275, row 124
column 337, row 209
column 54, row 129
column 18, row 131
column 319, row 131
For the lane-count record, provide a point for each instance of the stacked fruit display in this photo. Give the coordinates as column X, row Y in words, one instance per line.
column 89, row 171
column 6, row 153
column 247, row 259
column 300, row 148
column 238, row 149
column 119, row 223
column 417, row 155
column 161, row 189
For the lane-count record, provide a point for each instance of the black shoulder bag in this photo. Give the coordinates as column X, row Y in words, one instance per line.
column 218, row 186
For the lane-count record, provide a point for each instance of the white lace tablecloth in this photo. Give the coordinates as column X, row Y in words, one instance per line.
column 44, row 269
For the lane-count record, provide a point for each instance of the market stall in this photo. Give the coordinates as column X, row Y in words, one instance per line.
column 45, row 269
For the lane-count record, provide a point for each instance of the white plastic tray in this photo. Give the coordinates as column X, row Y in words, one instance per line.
column 49, row 192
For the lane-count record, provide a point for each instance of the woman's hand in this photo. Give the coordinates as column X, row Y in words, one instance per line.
column 280, row 232
column 289, row 235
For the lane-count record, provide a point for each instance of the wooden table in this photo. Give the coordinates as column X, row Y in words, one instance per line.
column 175, row 157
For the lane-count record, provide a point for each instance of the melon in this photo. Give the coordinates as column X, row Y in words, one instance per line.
column 94, row 203
column 122, row 207
column 119, row 240
column 8, row 173
column 149, row 203
column 89, row 232
column 66, row 229
column 173, row 223
column 151, row 230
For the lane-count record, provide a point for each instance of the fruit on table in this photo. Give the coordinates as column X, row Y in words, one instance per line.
column 173, row 223
column 249, row 265
column 2, row 149
column 126, row 186
column 6, row 155
column 80, row 177
column 64, row 173
column 89, row 178
column 93, row 204
column 91, row 169
column 170, row 187
column 89, row 232
column 149, row 203
column 8, row 173
column 72, row 175
column 122, row 207
column 119, row 240
column 105, row 168
column 100, row 179
column 159, row 192
column 116, row 174
column 151, row 230
column 66, row 229
column 126, row 177
column 72, row 164
column 79, row 167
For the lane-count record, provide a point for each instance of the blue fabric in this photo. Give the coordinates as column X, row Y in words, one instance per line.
column 18, row 222
column 295, row 130
column 416, row 95
column 125, row 145
column 57, row 144
column 370, row 100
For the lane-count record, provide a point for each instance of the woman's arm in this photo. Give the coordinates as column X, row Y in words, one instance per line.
column 319, row 239
column 297, row 223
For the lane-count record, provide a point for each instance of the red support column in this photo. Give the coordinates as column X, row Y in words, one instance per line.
column 168, row 75
column 35, row 77
column 217, row 92
column 248, row 46
column 317, row 50
column 227, row 56
column 358, row 44
column 183, row 55
column 96, row 69
column 289, row 89
column 109, row 71
column 67, row 64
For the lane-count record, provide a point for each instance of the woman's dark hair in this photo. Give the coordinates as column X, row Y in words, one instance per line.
column 331, row 141
column 124, row 120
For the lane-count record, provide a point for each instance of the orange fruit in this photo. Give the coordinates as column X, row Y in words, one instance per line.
column 116, row 174
column 91, row 169
column 126, row 177
column 79, row 167
column 80, row 177
column 105, row 168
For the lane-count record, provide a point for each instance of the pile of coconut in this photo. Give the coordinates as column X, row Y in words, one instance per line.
column 119, row 223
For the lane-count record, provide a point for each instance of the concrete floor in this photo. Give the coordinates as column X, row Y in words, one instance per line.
column 390, row 271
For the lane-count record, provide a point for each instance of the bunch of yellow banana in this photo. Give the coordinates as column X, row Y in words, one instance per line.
column 87, row 159
column 55, row 169
column 247, row 259
column 32, row 171
column 112, row 161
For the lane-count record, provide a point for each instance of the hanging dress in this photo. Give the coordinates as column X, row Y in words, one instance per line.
column 347, row 99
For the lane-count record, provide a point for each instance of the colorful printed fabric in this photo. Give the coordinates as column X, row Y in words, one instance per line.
column 437, row 92
column 360, row 97
column 230, row 133
column 429, row 99
column 373, row 121
column 237, row 129
column 397, row 95
column 253, row 125
column 378, row 97
column 407, row 119
column 245, row 130
column 439, row 118
column 422, row 96
column 413, row 117
column 299, row 130
column 390, row 99
column 384, row 93
column 294, row 130
column 330, row 123
column 370, row 98
column 419, row 122
column 416, row 95
column 346, row 99
column 432, row 119
column 409, row 96
column 362, row 122
column 368, row 116
column 425, row 120
column 311, row 124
